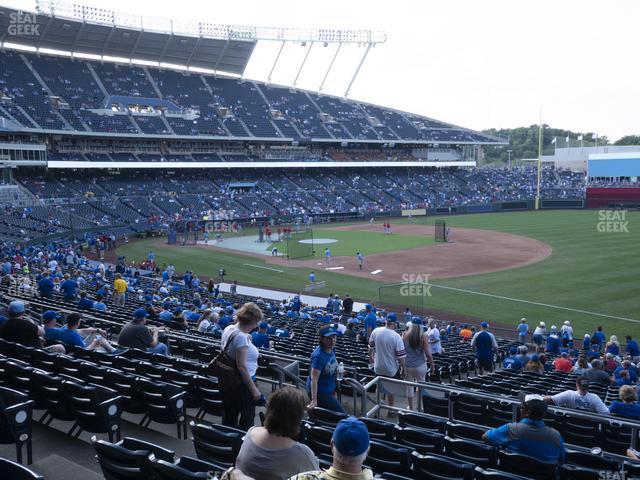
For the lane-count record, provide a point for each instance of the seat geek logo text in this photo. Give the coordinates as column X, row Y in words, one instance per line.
column 612, row 221
column 23, row 24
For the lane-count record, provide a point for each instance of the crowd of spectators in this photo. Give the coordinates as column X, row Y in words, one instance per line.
column 145, row 201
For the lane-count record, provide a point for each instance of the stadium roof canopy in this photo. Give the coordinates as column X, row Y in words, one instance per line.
column 82, row 29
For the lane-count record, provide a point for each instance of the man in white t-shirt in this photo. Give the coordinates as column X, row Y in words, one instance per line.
column 386, row 349
column 433, row 336
column 580, row 399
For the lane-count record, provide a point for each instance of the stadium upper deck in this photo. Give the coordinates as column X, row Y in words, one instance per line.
column 54, row 94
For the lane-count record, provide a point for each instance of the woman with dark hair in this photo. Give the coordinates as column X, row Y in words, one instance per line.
column 271, row 452
column 243, row 400
column 321, row 382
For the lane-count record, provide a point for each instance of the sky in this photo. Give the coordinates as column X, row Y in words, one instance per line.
column 478, row 64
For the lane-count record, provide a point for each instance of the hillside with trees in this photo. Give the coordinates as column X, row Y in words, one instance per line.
column 523, row 142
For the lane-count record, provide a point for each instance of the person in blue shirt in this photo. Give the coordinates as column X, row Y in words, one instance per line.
column 370, row 323
column 260, row 338
column 523, row 331
column 99, row 305
column 282, row 331
column 632, row 349
column 484, row 343
column 70, row 336
column 598, row 337
column 530, row 436
column 626, row 365
column 629, row 406
column 553, row 341
column 512, row 362
column 586, row 343
column 85, row 303
column 321, row 382
column 68, row 287
column 312, row 278
column 45, row 286
column 51, row 329
column 165, row 315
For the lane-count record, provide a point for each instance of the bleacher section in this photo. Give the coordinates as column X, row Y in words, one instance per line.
column 106, row 395
column 222, row 106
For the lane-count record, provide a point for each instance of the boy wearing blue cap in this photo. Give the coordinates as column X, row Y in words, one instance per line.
column 349, row 448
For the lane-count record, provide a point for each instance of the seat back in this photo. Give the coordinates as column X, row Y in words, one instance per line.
column 427, row 422
column 433, row 405
column 464, row 430
column 217, row 444
column 15, row 471
column 422, row 441
column 318, row 438
column 480, row 454
column 525, row 465
column 119, row 463
column 437, row 467
column 325, row 417
column 389, row 457
column 492, row 474
column 379, row 429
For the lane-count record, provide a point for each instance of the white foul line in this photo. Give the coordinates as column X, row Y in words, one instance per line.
column 264, row 268
column 375, row 272
column 535, row 303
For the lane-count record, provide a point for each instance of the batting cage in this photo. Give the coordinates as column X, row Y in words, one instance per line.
column 184, row 232
column 440, row 234
column 300, row 244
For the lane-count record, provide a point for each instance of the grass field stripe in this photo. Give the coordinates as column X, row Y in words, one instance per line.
column 263, row 268
column 535, row 303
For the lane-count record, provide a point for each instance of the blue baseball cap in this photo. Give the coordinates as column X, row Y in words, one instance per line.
column 263, row 325
column 16, row 307
column 328, row 331
column 513, row 350
column 140, row 313
column 484, row 325
column 50, row 315
column 351, row 437
column 367, row 306
column 392, row 317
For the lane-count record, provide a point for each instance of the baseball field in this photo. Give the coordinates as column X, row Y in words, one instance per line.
column 547, row 266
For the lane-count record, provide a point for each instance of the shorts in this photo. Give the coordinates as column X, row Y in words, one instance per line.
column 485, row 363
column 537, row 339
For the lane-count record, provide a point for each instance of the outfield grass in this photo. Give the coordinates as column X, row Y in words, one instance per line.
column 349, row 242
column 588, row 270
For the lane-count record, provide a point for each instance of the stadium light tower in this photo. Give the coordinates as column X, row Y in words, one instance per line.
column 509, row 152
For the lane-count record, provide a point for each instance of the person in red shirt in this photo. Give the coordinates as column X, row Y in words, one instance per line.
column 562, row 363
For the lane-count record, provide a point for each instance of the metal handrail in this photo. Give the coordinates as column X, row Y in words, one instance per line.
column 633, row 425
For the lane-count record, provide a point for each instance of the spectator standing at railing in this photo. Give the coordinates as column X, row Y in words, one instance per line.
column 387, row 351
column 321, row 382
